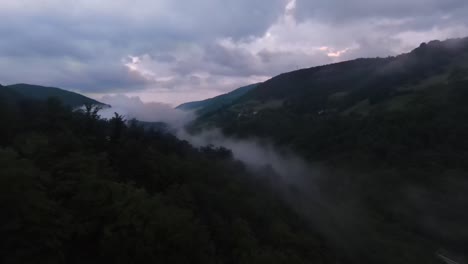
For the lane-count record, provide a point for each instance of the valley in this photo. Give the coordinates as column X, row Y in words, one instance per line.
column 362, row 161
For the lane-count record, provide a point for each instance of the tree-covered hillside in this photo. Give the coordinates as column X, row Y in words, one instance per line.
column 385, row 110
column 213, row 104
column 9, row 96
column 75, row 188
column 37, row 92
column 391, row 133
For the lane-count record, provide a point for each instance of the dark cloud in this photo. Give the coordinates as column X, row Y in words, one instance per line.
column 229, row 61
column 99, row 80
column 342, row 11
column 81, row 44
column 204, row 47
column 278, row 62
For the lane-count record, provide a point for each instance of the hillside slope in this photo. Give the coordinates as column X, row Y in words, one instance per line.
column 391, row 130
column 75, row 188
column 42, row 93
column 295, row 108
column 375, row 79
column 7, row 94
column 215, row 103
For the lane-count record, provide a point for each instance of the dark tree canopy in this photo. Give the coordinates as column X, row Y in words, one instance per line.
column 75, row 188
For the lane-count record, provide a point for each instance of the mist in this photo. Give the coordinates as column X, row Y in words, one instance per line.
column 255, row 153
column 334, row 202
column 135, row 108
column 294, row 172
column 297, row 181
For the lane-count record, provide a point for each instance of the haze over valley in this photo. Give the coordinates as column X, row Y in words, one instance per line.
column 283, row 131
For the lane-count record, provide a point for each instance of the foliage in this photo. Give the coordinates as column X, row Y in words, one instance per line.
column 391, row 132
column 387, row 112
column 75, row 188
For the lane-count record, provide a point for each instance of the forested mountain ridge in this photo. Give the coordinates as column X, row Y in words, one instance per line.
column 42, row 93
column 392, row 131
column 76, row 188
column 311, row 109
column 373, row 78
column 212, row 104
column 9, row 95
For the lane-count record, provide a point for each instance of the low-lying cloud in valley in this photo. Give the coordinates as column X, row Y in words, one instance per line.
column 253, row 152
column 135, row 108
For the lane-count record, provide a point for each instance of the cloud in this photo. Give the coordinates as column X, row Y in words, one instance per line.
column 134, row 108
column 343, row 11
column 173, row 51
column 68, row 40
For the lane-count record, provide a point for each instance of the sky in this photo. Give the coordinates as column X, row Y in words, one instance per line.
column 177, row 51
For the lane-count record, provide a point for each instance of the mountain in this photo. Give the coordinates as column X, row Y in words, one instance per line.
column 8, row 94
column 388, row 133
column 295, row 108
column 80, row 189
column 42, row 93
column 215, row 103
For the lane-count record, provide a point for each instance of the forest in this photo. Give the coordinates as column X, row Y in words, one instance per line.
column 389, row 137
column 76, row 188
column 79, row 188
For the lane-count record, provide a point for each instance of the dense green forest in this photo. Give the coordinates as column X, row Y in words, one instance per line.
column 390, row 132
column 79, row 189
column 397, row 111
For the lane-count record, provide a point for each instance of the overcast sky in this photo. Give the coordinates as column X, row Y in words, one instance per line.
column 175, row 51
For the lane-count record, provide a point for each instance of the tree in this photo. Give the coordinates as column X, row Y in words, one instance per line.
column 117, row 124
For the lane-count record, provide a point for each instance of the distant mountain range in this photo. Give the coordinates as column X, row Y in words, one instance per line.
column 218, row 102
column 313, row 109
column 393, row 131
column 35, row 92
